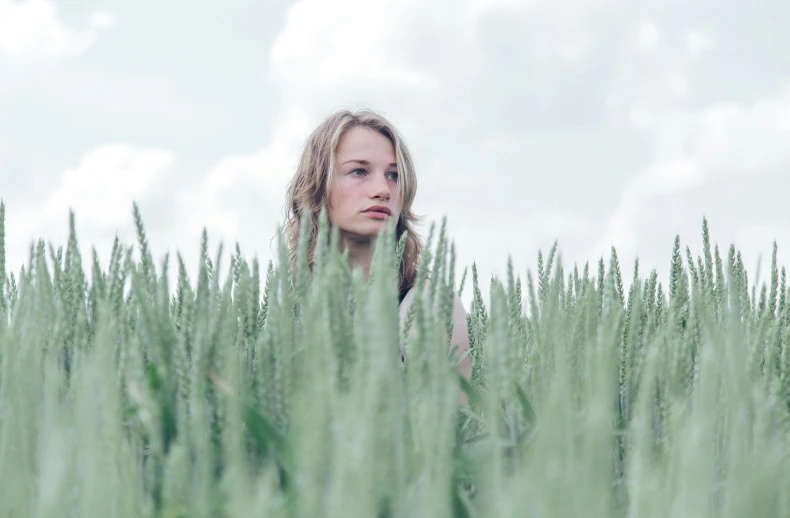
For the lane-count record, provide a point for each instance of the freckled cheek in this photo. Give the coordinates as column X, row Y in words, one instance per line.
column 337, row 195
column 342, row 201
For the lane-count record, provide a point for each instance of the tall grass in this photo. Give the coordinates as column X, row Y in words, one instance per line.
column 271, row 394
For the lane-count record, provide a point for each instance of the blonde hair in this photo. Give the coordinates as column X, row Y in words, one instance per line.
column 308, row 190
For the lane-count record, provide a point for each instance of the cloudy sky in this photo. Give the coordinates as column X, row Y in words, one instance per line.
column 597, row 123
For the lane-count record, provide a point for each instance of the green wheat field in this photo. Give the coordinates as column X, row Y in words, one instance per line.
column 268, row 394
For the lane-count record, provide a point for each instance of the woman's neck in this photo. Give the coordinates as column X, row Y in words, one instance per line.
column 360, row 252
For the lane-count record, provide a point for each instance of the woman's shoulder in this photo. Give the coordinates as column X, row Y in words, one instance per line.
column 406, row 296
column 459, row 312
column 404, row 293
column 405, row 301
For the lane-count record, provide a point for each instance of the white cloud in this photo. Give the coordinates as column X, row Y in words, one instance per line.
column 100, row 189
column 698, row 42
column 648, row 36
column 131, row 96
column 106, row 181
column 729, row 138
column 102, row 20
column 32, row 29
column 654, row 73
column 329, row 44
column 725, row 148
column 5, row 146
column 255, row 181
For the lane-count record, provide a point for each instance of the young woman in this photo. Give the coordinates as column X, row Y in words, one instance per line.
column 358, row 166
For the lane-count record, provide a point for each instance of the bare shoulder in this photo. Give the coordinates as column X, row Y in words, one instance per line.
column 458, row 307
column 459, row 341
column 409, row 298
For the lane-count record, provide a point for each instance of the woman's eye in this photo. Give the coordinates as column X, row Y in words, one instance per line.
column 361, row 172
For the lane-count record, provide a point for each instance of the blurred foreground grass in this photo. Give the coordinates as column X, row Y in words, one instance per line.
column 267, row 395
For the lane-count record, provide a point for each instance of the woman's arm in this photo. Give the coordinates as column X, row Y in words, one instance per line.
column 460, row 337
column 459, row 340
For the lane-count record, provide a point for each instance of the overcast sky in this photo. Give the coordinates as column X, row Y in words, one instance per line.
column 597, row 123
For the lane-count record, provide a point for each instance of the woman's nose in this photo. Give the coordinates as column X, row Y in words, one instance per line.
column 381, row 188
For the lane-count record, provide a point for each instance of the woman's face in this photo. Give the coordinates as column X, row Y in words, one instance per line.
column 366, row 176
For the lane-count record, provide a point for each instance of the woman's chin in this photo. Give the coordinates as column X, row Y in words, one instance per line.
column 369, row 230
